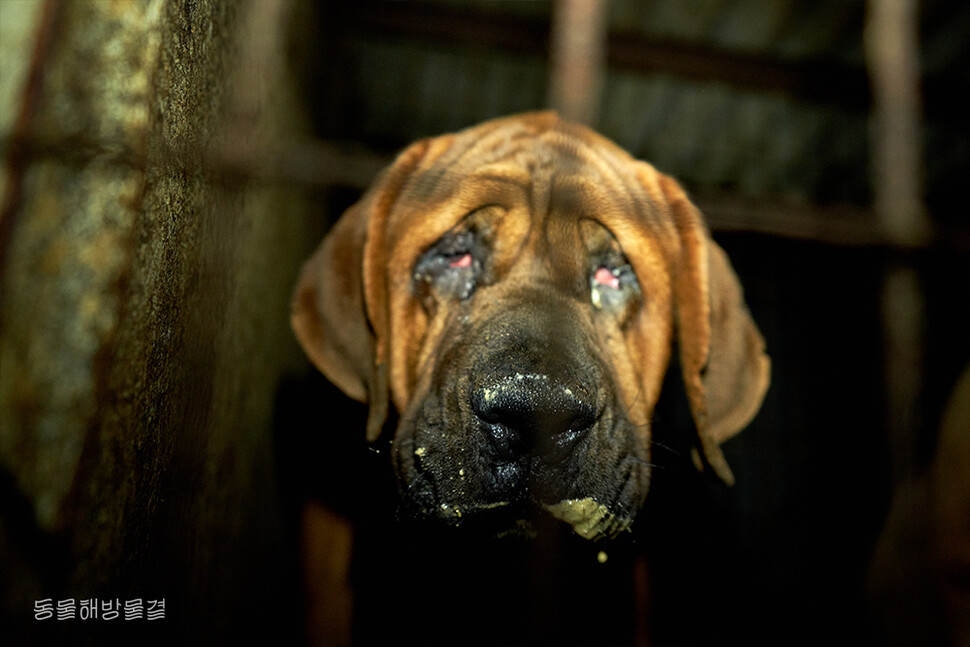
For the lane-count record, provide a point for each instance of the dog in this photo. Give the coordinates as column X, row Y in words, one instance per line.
column 514, row 294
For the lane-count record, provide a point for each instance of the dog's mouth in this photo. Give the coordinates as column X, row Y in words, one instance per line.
column 474, row 467
column 502, row 498
column 587, row 517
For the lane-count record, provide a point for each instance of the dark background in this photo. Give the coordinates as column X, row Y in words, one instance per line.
column 772, row 113
column 169, row 166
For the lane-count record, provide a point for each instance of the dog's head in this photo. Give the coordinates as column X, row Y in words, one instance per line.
column 515, row 291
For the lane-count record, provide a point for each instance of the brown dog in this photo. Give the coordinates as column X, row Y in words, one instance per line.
column 514, row 291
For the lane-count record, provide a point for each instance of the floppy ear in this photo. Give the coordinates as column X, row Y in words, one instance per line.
column 725, row 368
column 340, row 302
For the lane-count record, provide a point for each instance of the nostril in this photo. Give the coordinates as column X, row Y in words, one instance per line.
column 503, row 420
column 558, row 447
column 532, row 414
column 508, row 442
column 583, row 420
column 486, row 405
column 561, row 437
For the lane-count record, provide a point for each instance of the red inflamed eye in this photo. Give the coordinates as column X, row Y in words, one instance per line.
column 465, row 260
column 604, row 276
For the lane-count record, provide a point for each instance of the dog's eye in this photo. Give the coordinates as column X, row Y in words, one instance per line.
column 612, row 285
column 606, row 277
column 461, row 260
column 451, row 266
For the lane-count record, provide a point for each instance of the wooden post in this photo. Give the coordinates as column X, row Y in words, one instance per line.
column 578, row 55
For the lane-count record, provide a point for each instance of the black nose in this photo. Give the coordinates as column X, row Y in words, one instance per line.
column 533, row 414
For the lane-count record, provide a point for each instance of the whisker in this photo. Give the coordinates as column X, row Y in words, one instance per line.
column 657, row 443
column 646, row 463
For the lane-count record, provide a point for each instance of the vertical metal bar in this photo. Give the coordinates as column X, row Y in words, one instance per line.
column 578, row 55
column 14, row 165
column 892, row 53
column 903, row 357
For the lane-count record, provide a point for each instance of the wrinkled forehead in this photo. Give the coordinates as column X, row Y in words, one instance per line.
column 552, row 172
column 518, row 158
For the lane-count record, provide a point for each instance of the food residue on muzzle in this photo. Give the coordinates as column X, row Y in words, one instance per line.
column 590, row 520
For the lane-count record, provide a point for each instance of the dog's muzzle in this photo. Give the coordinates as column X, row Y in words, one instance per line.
column 521, row 419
